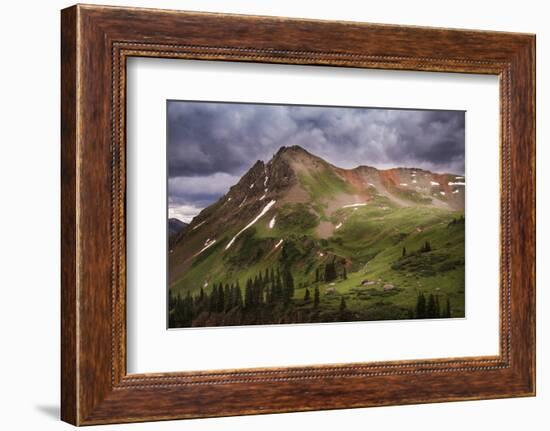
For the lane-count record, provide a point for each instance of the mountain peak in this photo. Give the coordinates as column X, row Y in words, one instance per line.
column 294, row 153
column 291, row 149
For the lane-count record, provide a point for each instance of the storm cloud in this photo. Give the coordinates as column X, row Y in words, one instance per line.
column 211, row 145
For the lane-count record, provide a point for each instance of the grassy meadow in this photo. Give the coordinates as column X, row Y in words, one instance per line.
column 383, row 262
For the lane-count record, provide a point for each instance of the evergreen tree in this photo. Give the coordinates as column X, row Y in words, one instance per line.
column 260, row 279
column 268, row 295
column 288, row 287
column 278, row 290
column 330, row 272
column 170, row 299
column 178, row 311
column 327, row 270
column 345, row 274
column 261, row 294
column 238, row 296
column 307, row 295
column 333, row 270
column 342, row 309
column 430, row 310
column 248, row 300
column 220, row 301
column 211, row 299
column 437, row 307
column 447, row 311
column 316, row 297
column 201, row 296
column 174, row 313
column 284, row 254
column 420, row 306
column 254, row 293
column 228, row 298
column 186, row 312
column 198, row 301
column 404, row 253
column 426, row 247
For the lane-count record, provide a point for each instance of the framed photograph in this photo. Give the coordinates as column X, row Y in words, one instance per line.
column 265, row 215
column 301, row 239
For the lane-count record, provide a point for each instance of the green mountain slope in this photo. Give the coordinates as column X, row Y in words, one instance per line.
column 369, row 244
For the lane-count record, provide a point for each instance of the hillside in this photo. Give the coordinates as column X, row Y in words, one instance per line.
column 356, row 236
column 175, row 226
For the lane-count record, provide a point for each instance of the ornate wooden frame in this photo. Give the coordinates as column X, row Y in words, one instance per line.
column 95, row 42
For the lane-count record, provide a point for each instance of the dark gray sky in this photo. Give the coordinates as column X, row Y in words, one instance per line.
column 211, row 145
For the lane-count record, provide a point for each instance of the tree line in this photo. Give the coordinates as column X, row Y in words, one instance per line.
column 456, row 221
column 431, row 308
column 426, row 247
column 268, row 297
column 266, row 290
column 329, row 272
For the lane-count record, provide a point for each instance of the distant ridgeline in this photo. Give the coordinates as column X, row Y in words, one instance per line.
column 298, row 240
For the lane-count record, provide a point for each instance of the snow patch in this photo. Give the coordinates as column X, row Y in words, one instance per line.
column 265, row 181
column 403, row 184
column 355, row 205
column 434, row 183
column 338, row 226
column 242, row 203
column 252, row 185
column 457, row 184
column 278, row 243
column 459, row 178
column 207, row 244
column 456, row 191
column 414, row 181
column 442, row 193
column 228, row 199
column 272, row 222
column 199, row 225
column 264, row 210
column 263, row 197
